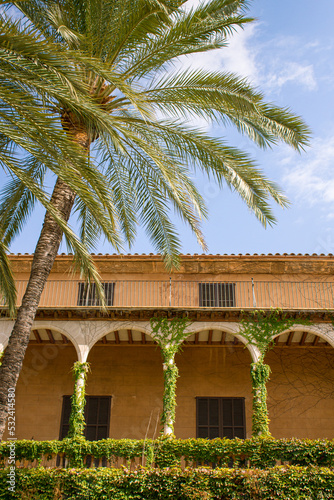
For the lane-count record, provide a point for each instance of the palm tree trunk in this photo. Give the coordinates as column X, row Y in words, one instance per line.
column 44, row 257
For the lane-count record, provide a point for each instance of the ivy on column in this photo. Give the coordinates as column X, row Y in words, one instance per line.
column 77, row 418
column 259, row 331
column 169, row 335
column 260, row 374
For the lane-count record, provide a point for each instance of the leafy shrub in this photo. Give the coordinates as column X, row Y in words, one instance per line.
column 290, row 483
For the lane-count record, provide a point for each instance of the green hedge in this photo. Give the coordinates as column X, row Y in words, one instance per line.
column 290, row 483
column 260, row 452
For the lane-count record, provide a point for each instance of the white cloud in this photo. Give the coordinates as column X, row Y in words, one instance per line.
column 238, row 57
column 268, row 63
column 311, row 179
column 292, row 72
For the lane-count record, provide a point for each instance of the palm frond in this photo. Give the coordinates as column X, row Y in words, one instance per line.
column 219, row 161
column 201, row 29
column 107, row 79
column 82, row 257
column 7, row 282
column 224, row 97
column 17, row 201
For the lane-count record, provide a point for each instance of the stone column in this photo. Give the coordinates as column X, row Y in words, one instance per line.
column 171, row 374
column 77, row 417
column 260, row 421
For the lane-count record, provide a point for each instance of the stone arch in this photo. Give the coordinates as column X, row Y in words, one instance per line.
column 126, row 378
column 54, row 326
column 228, row 327
column 38, row 326
column 48, row 362
column 322, row 330
column 111, row 327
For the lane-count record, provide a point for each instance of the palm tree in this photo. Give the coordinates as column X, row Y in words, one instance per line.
column 32, row 76
column 139, row 141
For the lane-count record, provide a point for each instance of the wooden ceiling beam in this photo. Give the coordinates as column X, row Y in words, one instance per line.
column 37, row 336
column 65, row 339
column 315, row 341
column 290, row 337
column 210, row 337
column 302, row 340
column 51, row 337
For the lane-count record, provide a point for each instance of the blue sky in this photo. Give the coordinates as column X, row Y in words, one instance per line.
column 288, row 53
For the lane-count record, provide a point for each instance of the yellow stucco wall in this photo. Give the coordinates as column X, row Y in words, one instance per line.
column 300, row 392
column 61, row 289
column 301, row 398
column 193, row 267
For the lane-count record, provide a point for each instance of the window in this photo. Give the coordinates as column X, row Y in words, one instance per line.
column 216, row 294
column 87, row 294
column 221, row 417
column 97, row 417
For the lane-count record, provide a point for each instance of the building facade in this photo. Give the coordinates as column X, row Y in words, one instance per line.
column 214, row 392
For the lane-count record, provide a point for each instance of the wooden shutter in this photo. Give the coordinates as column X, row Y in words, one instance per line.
column 221, row 417
column 97, row 417
column 65, row 417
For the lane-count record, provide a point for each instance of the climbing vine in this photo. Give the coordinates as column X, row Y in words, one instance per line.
column 262, row 326
column 260, row 373
column 77, row 418
column 288, row 482
column 259, row 331
column 163, row 452
column 169, row 335
column 171, row 374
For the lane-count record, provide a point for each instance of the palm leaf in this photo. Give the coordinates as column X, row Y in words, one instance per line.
column 7, row 282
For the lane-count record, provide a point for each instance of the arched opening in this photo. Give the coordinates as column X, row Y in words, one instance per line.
column 125, row 366
column 126, row 336
column 300, row 389
column 44, row 379
column 214, row 397
column 214, row 337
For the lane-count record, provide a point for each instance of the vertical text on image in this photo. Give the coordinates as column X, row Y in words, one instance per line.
column 11, row 440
